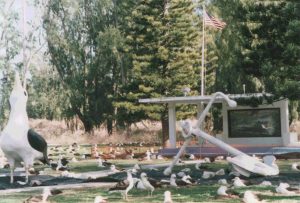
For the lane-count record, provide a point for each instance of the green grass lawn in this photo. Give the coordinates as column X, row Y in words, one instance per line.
column 204, row 192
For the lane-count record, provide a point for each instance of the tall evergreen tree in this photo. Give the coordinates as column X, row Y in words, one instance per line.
column 164, row 42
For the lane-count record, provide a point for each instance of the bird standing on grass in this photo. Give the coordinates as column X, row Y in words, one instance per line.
column 173, row 181
column 237, row 182
column 18, row 142
column 147, row 184
column 115, row 169
column 295, row 167
column 168, row 198
column 250, row 197
column 266, row 183
column 124, row 186
column 220, row 172
column 184, row 181
column 100, row 199
column 208, row 174
column 100, row 163
column 42, row 198
column 222, row 191
column 283, row 189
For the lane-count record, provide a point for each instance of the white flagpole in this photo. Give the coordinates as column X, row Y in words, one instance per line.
column 24, row 41
column 202, row 60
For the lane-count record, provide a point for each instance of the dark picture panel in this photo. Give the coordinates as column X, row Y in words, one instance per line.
column 254, row 123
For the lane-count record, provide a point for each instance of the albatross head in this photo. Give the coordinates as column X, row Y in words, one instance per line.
column 18, row 97
column 143, row 176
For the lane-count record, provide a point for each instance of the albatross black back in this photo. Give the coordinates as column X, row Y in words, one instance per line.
column 38, row 143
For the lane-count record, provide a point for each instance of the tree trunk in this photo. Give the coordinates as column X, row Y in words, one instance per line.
column 165, row 130
column 88, row 126
column 109, row 126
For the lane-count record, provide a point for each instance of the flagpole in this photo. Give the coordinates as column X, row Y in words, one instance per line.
column 24, row 41
column 202, row 59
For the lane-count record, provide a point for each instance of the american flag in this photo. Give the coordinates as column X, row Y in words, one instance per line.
column 214, row 22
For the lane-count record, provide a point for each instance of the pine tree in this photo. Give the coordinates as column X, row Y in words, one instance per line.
column 165, row 45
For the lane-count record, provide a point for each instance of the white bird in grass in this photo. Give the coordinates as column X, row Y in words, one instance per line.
column 208, row 174
column 134, row 171
column 237, row 182
column 219, row 158
column 173, row 180
column 250, row 197
column 74, row 160
column 198, row 164
column 295, row 167
column 148, row 155
column 186, row 170
column 187, row 179
column 147, row 185
column 42, row 198
column 100, row 199
column 222, row 191
column 137, row 167
column 184, row 181
column 34, row 183
column 181, row 174
column 222, row 182
column 100, row 163
column 124, row 186
column 168, row 198
column 139, row 184
column 159, row 157
column 17, row 141
column 207, row 160
column 266, row 183
column 114, row 169
column 282, row 189
column 220, row 172
column 192, row 157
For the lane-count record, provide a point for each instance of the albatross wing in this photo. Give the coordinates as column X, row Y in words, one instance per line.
column 38, row 143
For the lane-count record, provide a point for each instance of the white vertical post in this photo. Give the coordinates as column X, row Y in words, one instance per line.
column 284, row 115
column 202, row 59
column 200, row 108
column 24, row 40
column 172, row 125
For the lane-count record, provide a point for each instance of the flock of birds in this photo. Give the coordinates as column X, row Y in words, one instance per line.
column 137, row 177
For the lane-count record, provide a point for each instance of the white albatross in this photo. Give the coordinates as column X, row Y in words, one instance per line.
column 295, row 167
column 222, row 191
column 18, row 142
column 146, row 183
column 222, row 182
column 100, row 199
column 168, row 198
column 124, row 186
column 237, row 182
column 250, row 197
column 283, row 189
